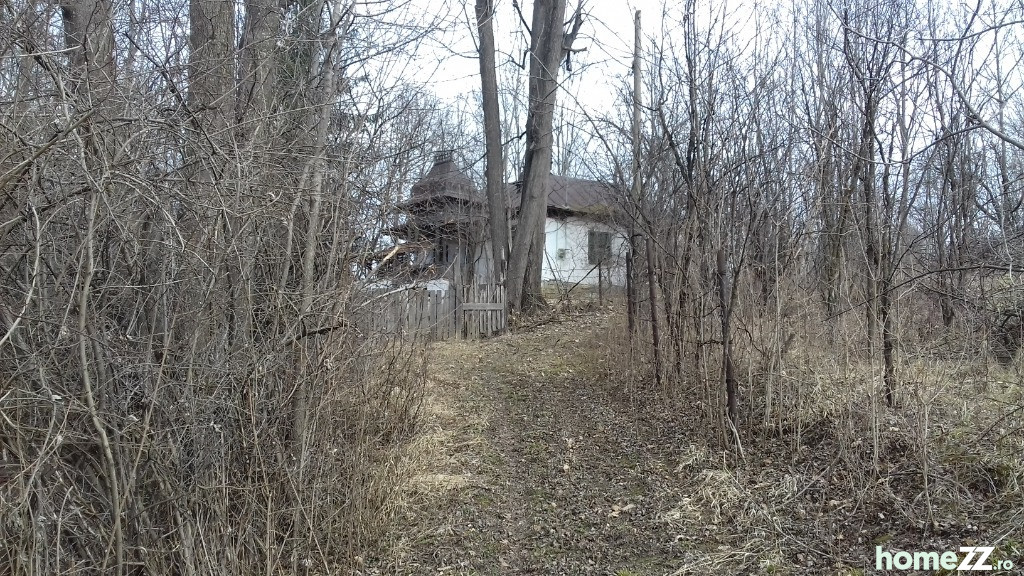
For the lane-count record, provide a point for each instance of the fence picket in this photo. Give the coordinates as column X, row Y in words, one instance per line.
column 470, row 312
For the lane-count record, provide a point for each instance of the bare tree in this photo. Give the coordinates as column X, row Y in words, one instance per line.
column 495, row 159
column 180, row 302
column 548, row 46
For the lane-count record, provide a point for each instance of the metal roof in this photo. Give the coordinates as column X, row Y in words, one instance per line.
column 574, row 195
column 445, row 180
column 579, row 195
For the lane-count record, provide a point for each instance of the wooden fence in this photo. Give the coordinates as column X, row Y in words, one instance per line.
column 467, row 312
column 481, row 311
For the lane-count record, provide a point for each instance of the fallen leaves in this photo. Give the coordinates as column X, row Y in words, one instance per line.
column 619, row 510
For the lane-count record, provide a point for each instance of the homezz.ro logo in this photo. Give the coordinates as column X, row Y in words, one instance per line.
column 975, row 558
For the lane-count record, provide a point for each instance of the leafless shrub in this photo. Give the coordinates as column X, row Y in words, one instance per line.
column 183, row 388
column 835, row 247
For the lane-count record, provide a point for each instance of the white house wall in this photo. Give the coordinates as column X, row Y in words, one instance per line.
column 569, row 238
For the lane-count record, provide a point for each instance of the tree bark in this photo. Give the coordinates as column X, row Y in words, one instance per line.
column 728, row 368
column 257, row 73
column 546, row 50
column 89, row 39
column 211, row 64
column 634, row 196
column 495, row 167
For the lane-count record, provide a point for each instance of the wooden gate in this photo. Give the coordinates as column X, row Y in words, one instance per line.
column 412, row 312
column 467, row 312
column 481, row 311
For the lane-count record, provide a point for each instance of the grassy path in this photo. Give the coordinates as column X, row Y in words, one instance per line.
column 530, row 467
column 533, row 461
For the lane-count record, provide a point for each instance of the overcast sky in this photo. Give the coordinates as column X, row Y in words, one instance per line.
column 447, row 64
column 451, row 69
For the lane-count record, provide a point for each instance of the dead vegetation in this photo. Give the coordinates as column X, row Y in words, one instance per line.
column 547, row 454
column 184, row 388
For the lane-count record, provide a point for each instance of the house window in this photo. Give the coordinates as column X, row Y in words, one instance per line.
column 441, row 253
column 599, row 246
column 445, row 253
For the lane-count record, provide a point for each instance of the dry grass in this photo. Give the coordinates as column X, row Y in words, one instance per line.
column 543, row 451
column 831, row 468
column 433, row 467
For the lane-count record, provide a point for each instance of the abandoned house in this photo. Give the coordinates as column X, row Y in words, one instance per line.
column 442, row 237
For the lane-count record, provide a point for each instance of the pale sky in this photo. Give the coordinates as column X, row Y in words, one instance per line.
column 447, row 64
column 607, row 34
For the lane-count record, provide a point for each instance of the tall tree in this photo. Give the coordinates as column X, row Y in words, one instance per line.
column 89, row 37
column 872, row 36
column 548, row 45
column 495, row 168
column 211, row 66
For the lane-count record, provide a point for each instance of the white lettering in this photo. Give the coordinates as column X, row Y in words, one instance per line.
column 902, row 560
column 966, row 564
column 926, row 560
column 879, row 556
column 950, row 560
column 982, row 563
column 974, row 558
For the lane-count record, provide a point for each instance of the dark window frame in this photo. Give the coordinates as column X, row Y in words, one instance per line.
column 599, row 246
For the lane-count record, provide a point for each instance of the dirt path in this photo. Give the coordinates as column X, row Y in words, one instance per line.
column 534, row 461
column 532, row 468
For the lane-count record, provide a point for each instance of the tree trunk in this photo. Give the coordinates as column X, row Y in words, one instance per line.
column 888, row 344
column 495, row 168
column 89, row 39
column 546, row 49
column 632, row 306
column 728, row 369
column 257, row 73
column 652, row 288
column 211, row 66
